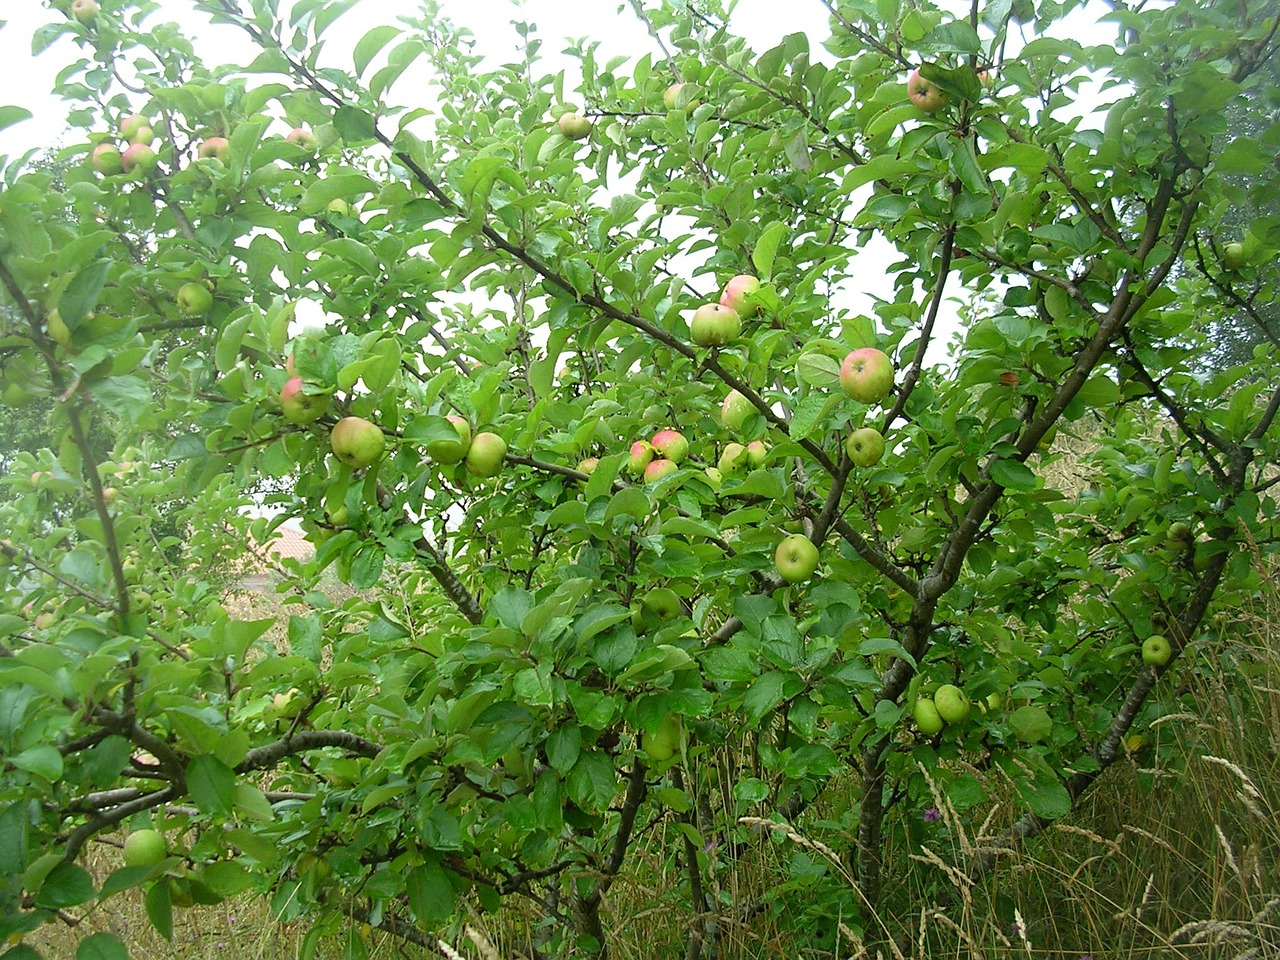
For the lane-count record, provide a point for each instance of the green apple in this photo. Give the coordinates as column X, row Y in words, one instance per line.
column 1234, row 256
column 219, row 147
column 85, row 11
column 715, row 325
column 452, row 451
column 144, row 136
column 338, row 208
column 194, row 300
column 574, row 126
column 1156, row 650
column 867, row 375
column 357, row 442
column 658, row 469
column 925, row 94
column 588, row 465
column 865, row 446
column 732, row 459
column 734, row 411
column 130, row 125
column 740, row 295
column 57, row 329
column 672, row 95
column 303, row 138
column 145, row 848
column 140, row 158
column 796, row 558
column 662, row 604
column 300, row 407
column 485, row 455
column 15, row 395
column 714, row 477
column 641, row 457
column 664, row 742
column 106, row 159
column 1179, row 534
column 670, row 444
column 952, row 703
column 757, row 453
column 927, row 717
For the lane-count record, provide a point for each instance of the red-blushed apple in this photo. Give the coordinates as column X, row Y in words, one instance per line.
column 732, row 459
column 140, row 158
column 734, row 411
column 867, row 375
column 574, row 126
column 714, row 325
column 145, row 848
column 757, row 453
column 925, row 94
column 865, row 446
column 658, row 469
column 796, row 558
column 106, row 159
column 131, row 124
column 303, row 138
column 925, row 712
column 85, row 11
column 452, row 451
column 300, row 407
column 485, row 455
column 1156, row 650
column 740, row 295
column 670, row 444
column 952, row 703
column 356, row 442
column 641, row 457
column 219, row 147
column 194, row 299
column 588, row 465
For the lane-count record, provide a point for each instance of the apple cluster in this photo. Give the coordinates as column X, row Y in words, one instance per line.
column 138, row 156
column 948, row 705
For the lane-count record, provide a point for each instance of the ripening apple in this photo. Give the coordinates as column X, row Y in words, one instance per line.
column 867, row 375
column 740, row 295
column 145, row 848
column 356, row 442
column 194, row 299
column 303, row 138
column 796, row 558
column 1156, row 650
column 138, row 157
column 670, row 444
column 734, row 411
column 485, row 455
column 715, row 325
column 732, row 459
column 57, row 328
column 144, row 135
column 299, row 407
column 131, row 124
column 658, row 469
column 574, row 126
column 865, row 446
column 588, row 466
column 1233, row 256
column 671, row 98
column 641, row 457
column 663, row 743
column 952, row 703
column 219, row 147
column 925, row 94
column 452, row 451
column 925, row 712
column 106, row 159
column 757, row 452
column 85, row 11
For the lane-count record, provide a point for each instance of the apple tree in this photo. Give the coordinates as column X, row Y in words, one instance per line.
column 653, row 537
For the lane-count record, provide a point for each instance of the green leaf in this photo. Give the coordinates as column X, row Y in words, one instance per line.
column 43, row 761
column 767, row 248
column 11, row 115
column 212, row 784
column 431, row 895
column 593, row 782
column 340, row 186
column 354, row 125
column 67, row 885
column 763, row 696
column 818, row 370
column 101, row 946
column 82, row 293
column 160, row 908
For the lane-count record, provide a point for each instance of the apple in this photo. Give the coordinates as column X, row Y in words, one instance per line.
column 132, row 124
column 732, row 459
column 1010, row 379
column 865, row 446
column 757, row 452
column 1233, row 256
column 139, row 157
column 715, row 325
column 867, row 375
column 85, row 11
column 106, row 159
column 1179, row 534
column 219, row 147
column 144, row 135
column 734, row 411
column 796, row 558
column 452, row 451
column 110, row 495
column 740, row 295
column 356, row 442
column 574, row 126
column 663, row 743
column 57, row 329
column 925, row 94
column 1156, row 650
column 338, row 207
column 300, row 407
column 671, row 98
column 15, row 395
column 303, row 138
column 670, row 444
column 658, row 469
column 588, row 466
column 194, row 299
column 927, row 717
column 641, row 457
column 662, row 603
column 485, row 455
column 45, row 621
column 145, row 848
column 952, row 703
column 714, row 477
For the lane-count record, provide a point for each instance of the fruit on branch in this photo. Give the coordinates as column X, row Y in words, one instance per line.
column 925, row 713
column 1010, row 379
column 658, row 469
column 715, row 325
column 757, row 452
column 662, row 604
column 663, row 743
column 671, row 98
column 15, row 395
column 796, row 558
column 138, row 157
column 145, row 848
column 219, row 147
column 740, row 295
column 734, row 411
column 194, row 299
column 865, row 446
column 925, row 94
column 574, row 125
column 1179, row 534
column 107, row 160
column 144, row 135
column 732, row 459
column 952, row 703
column 85, row 11
column 641, row 457
column 1156, row 650
column 57, row 329
column 452, row 451
column 303, row 138
column 356, row 442
column 1234, row 256
column 670, row 444
column 588, row 466
column 714, row 477
column 485, row 455
column 299, row 407
column 338, row 207
column 130, row 125
column 867, row 375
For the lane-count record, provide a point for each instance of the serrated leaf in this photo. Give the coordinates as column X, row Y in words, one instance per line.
column 212, row 784
column 808, row 413
column 818, row 370
column 1013, row 475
